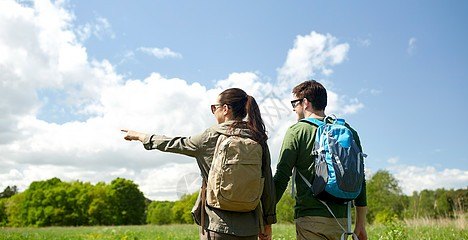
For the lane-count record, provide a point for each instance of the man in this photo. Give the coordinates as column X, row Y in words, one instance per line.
column 312, row 219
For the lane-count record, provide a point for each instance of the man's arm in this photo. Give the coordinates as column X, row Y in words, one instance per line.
column 361, row 203
column 268, row 196
column 286, row 162
column 360, row 228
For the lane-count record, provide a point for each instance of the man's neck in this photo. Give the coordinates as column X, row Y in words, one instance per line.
column 315, row 114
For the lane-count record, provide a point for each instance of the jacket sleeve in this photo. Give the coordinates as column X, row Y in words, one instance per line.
column 286, row 163
column 189, row 146
column 268, row 198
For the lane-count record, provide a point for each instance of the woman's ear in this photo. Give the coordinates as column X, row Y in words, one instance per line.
column 225, row 109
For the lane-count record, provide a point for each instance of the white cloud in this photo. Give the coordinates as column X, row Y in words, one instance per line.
column 342, row 105
column 163, row 184
column 373, row 92
column 44, row 54
column 160, row 52
column 312, row 54
column 100, row 28
column 128, row 56
column 413, row 178
column 393, row 160
column 364, row 42
column 47, row 55
column 411, row 46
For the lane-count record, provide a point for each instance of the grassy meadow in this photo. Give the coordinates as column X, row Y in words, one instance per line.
column 416, row 229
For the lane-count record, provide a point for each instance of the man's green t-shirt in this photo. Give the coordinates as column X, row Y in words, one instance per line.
column 296, row 151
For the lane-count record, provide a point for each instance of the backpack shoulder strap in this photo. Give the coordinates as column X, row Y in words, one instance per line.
column 313, row 121
column 340, row 121
column 203, row 204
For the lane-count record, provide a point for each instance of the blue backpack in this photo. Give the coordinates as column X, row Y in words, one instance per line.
column 338, row 167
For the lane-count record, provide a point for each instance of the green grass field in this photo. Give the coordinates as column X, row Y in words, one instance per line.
column 410, row 230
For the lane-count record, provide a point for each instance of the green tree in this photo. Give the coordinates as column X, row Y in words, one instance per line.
column 47, row 203
column 432, row 204
column 127, row 201
column 77, row 203
column 426, row 204
column 4, row 196
column 411, row 205
column 16, row 210
column 9, row 191
column 458, row 200
column 442, row 204
column 100, row 210
column 181, row 211
column 3, row 213
column 384, row 197
column 285, row 208
column 160, row 212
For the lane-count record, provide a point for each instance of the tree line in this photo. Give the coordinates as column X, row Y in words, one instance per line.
column 56, row 203
column 386, row 201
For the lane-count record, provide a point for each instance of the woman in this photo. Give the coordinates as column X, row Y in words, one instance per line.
column 232, row 107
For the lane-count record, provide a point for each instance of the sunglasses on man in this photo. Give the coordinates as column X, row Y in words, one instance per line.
column 296, row 102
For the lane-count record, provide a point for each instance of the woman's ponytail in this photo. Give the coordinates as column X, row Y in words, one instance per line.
column 243, row 105
column 255, row 122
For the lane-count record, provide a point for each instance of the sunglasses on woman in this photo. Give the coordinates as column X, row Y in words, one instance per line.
column 214, row 107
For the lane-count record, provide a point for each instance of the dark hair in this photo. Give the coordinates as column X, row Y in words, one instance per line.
column 243, row 105
column 314, row 92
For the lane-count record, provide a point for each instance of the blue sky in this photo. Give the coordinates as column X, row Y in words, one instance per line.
column 397, row 71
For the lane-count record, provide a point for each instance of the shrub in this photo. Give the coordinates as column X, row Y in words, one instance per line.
column 395, row 230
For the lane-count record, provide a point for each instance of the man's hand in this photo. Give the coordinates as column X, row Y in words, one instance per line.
column 360, row 231
column 360, row 228
column 267, row 234
column 133, row 135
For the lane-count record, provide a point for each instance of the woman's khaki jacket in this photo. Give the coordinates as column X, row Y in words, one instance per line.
column 202, row 147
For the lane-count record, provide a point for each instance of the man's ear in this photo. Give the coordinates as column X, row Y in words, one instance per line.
column 307, row 103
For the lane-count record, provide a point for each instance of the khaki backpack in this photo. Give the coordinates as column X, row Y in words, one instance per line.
column 235, row 181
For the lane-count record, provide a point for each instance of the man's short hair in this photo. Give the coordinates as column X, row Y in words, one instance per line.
column 314, row 92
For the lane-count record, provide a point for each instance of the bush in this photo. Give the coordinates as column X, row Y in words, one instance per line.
column 395, row 230
column 285, row 208
column 385, row 216
column 182, row 208
column 3, row 214
column 160, row 212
